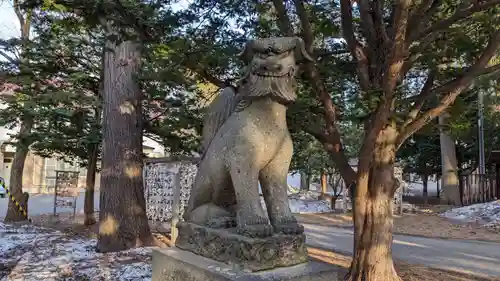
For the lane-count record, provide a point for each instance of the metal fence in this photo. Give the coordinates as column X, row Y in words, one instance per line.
column 479, row 188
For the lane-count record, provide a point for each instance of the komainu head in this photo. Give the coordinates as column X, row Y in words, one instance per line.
column 272, row 64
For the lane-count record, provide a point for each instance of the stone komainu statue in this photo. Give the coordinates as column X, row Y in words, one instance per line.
column 246, row 140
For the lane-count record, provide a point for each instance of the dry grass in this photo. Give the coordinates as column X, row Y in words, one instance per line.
column 420, row 224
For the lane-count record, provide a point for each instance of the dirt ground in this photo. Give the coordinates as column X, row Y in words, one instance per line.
column 408, row 224
column 407, row 272
column 427, row 224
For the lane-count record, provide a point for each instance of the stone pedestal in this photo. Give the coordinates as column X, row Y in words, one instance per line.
column 253, row 254
column 173, row 264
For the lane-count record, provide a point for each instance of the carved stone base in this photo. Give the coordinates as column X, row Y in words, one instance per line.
column 253, row 254
column 178, row 265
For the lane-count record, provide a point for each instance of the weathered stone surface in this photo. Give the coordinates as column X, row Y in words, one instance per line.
column 178, row 265
column 253, row 254
column 246, row 141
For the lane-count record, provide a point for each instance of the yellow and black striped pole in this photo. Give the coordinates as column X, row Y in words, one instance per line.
column 13, row 199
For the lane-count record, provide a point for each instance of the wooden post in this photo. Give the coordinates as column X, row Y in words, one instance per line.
column 55, row 196
column 175, row 206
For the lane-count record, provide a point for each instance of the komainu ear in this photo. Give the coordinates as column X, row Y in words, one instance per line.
column 300, row 50
column 248, row 52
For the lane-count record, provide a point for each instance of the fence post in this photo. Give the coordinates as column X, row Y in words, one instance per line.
column 175, row 206
column 497, row 181
column 461, row 189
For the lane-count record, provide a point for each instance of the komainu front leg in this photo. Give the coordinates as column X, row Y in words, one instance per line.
column 273, row 180
column 251, row 219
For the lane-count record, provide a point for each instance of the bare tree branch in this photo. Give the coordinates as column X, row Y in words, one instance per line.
column 19, row 13
column 335, row 150
column 421, row 98
column 355, row 47
column 307, row 32
column 421, row 16
column 367, row 24
column 460, row 14
column 9, row 58
column 331, row 138
column 452, row 89
column 398, row 47
column 283, row 19
column 378, row 19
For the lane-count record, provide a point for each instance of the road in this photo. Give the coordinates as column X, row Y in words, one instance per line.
column 474, row 257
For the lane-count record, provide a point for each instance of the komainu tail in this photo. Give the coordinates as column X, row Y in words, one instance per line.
column 218, row 112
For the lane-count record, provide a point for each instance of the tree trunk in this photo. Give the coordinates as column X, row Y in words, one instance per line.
column 16, row 173
column 93, row 150
column 438, row 188
column 22, row 146
column 449, row 165
column 425, row 182
column 304, row 181
column 324, row 186
column 373, row 211
column 123, row 220
column 88, row 206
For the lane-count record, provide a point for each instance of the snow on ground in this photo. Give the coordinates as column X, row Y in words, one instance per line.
column 305, row 202
column 309, row 206
column 486, row 214
column 29, row 253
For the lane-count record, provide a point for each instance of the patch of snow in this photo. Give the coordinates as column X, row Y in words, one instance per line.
column 486, row 214
column 305, row 202
column 309, row 206
column 29, row 253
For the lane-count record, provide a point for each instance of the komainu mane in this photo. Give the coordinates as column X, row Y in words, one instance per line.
column 246, row 141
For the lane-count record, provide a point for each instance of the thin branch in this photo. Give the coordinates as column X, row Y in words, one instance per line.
column 336, row 152
column 9, row 58
column 453, row 88
column 367, row 24
column 355, row 47
column 459, row 15
column 398, row 47
column 283, row 19
column 421, row 98
column 378, row 19
column 18, row 11
column 307, row 32
column 421, row 16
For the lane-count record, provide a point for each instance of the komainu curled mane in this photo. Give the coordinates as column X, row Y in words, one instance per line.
column 246, row 140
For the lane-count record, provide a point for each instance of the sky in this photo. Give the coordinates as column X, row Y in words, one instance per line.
column 9, row 25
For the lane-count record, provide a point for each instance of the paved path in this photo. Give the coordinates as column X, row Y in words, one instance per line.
column 480, row 258
column 458, row 255
column 44, row 204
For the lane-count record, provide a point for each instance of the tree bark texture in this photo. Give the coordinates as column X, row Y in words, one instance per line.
column 16, row 172
column 88, row 206
column 324, row 186
column 123, row 220
column 425, row 183
column 304, row 181
column 373, row 215
column 450, row 181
